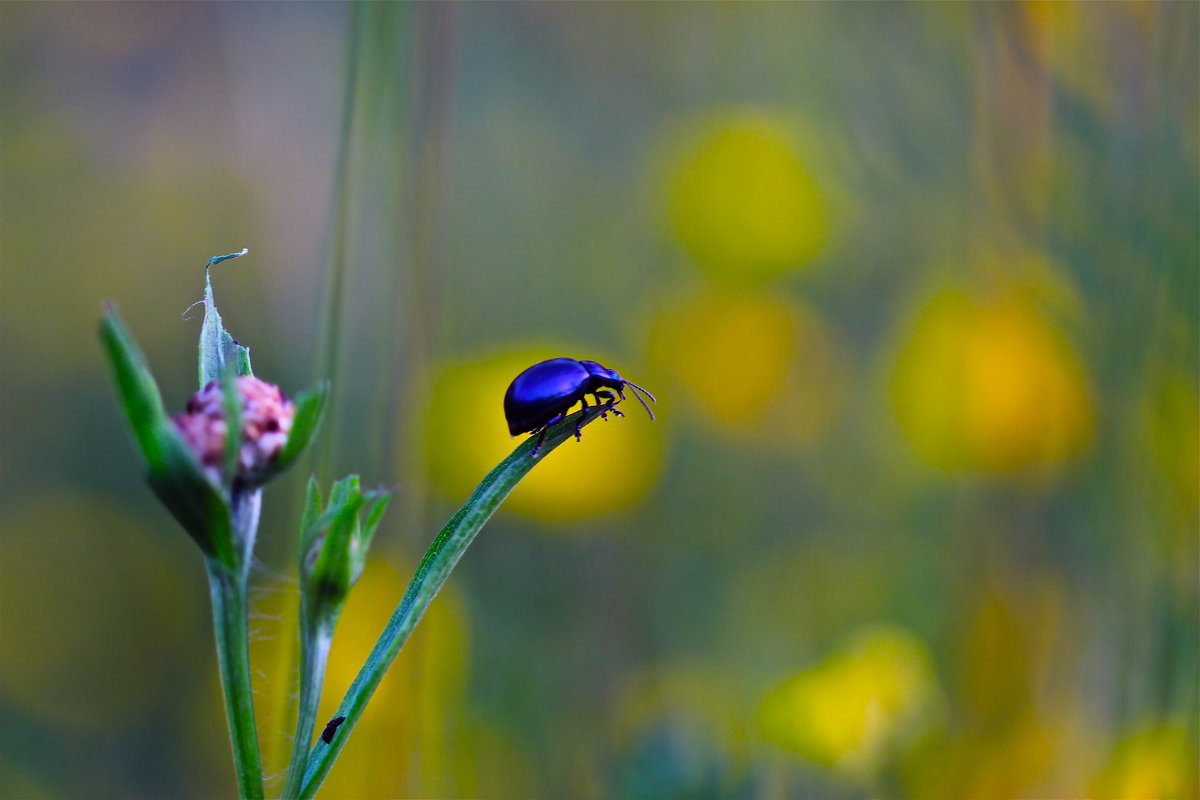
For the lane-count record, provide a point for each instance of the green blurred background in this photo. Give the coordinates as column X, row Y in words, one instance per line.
column 916, row 287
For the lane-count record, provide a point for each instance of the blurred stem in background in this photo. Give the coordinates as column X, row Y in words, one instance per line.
column 417, row 327
column 329, row 340
column 381, row 293
column 328, row 360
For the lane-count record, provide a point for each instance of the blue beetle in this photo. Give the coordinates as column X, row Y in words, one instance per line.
column 541, row 395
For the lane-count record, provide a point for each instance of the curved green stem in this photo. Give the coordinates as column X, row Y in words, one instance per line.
column 430, row 576
column 315, row 655
column 230, row 606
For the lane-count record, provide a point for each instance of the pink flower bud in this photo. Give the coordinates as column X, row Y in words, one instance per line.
column 266, row 421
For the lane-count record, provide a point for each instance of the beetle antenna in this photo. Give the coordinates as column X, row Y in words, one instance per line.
column 636, row 389
column 643, row 391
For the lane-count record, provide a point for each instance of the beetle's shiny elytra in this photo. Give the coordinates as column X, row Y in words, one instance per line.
column 541, row 395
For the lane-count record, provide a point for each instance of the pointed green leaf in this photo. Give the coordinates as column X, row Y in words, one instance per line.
column 339, row 499
column 217, row 347
column 379, row 507
column 172, row 470
column 328, row 581
column 140, row 398
column 344, row 491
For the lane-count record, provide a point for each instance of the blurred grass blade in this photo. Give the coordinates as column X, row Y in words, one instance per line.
column 431, row 575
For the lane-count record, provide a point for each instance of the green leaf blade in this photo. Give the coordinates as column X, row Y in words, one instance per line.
column 136, row 388
column 217, row 347
column 431, row 574
column 172, row 470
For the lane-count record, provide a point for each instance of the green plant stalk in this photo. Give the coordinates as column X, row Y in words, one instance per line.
column 315, row 643
column 431, row 575
column 230, row 608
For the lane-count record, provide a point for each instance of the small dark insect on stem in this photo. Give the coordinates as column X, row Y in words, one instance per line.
column 331, row 729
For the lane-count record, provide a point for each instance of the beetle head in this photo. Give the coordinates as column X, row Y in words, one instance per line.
column 606, row 376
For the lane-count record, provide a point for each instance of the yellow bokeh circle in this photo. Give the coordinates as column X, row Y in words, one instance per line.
column 845, row 710
column 466, row 436
column 753, row 365
column 1155, row 761
column 741, row 199
column 989, row 384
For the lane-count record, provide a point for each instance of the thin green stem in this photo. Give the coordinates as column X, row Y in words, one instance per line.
column 230, row 607
column 315, row 641
column 430, row 576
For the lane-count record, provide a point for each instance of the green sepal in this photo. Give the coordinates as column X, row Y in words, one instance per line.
column 172, row 470
column 312, row 510
column 326, row 566
column 379, row 504
column 217, row 347
column 310, row 405
column 319, row 522
column 334, row 545
column 231, row 404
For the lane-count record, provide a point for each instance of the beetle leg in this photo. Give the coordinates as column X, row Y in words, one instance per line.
column 599, row 402
column 542, row 434
column 538, row 446
column 609, row 400
column 578, row 424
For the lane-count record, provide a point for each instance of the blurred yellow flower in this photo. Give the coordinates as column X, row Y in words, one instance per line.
column 1156, row 763
column 752, row 364
column 846, row 710
column 611, row 469
column 989, row 384
column 740, row 197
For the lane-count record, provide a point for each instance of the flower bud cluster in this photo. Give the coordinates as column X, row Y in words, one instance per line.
column 266, row 421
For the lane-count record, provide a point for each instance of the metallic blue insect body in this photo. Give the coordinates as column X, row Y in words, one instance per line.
column 541, row 395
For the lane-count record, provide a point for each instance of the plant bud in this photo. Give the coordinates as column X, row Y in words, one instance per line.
column 266, row 421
